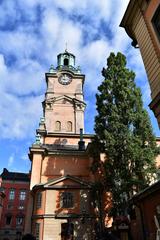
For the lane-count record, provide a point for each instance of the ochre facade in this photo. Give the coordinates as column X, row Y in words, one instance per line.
column 141, row 22
column 61, row 205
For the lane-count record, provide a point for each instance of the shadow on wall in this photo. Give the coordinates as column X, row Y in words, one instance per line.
column 68, row 163
column 84, row 226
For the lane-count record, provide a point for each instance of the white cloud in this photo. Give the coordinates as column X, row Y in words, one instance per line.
column 3, row 72
column 19, row 117
column 95, row 52
column 24, row 157
column 32, row 33
column 39, row 32
column 7, row 10
column 11, row 160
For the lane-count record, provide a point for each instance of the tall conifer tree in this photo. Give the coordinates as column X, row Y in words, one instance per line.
column 124, row 134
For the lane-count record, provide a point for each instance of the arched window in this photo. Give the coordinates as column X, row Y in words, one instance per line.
column 69, row 126
column 66, row 62
column 57, row 126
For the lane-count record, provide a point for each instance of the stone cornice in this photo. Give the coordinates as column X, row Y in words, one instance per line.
column 36, row 149
column 62, row 187
column 52, row 184
column 44, row 151
column 69, row 135
column 74, row 75
column 68, row 153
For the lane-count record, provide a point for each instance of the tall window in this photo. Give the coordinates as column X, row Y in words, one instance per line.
column 156, row 21
column 12, row 194
column 22, row 195
column 39, row 200
column 8, row 219
column 19, row 220
column 37, row 231
column 69, row 126
column 57, row 126
column 66, row 200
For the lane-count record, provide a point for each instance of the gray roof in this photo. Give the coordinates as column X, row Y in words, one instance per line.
column 16, row 176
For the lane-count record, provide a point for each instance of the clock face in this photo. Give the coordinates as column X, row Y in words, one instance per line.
column 65, row 79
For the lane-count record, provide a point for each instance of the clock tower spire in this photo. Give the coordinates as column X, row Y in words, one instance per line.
column 64, row 104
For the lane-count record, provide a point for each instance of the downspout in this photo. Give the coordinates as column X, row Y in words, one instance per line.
column 33, row 199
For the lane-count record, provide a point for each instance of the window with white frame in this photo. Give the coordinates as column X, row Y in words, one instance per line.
column 12, row 194
column 22, row 195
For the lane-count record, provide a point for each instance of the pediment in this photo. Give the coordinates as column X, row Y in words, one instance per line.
column 64, row 99
column 66, row 182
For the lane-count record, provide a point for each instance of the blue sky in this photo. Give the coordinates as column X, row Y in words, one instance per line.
column 32, row 33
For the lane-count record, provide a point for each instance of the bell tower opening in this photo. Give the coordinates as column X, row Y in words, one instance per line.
column 66, row 62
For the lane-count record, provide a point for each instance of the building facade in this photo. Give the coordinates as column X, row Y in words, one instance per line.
column 15, row 186
column 145, row 216
column 142, row 23
column 2, row 196
column 61, row 204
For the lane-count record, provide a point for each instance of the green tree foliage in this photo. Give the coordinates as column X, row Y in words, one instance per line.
column 124, row 133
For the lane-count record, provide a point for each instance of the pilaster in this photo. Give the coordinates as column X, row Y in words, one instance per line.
column 36, row 155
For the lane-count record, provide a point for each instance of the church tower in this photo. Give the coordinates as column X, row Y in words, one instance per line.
column 60, row 205
column 64, row 104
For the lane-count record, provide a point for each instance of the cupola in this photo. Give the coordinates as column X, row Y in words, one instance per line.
column 66, row 60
